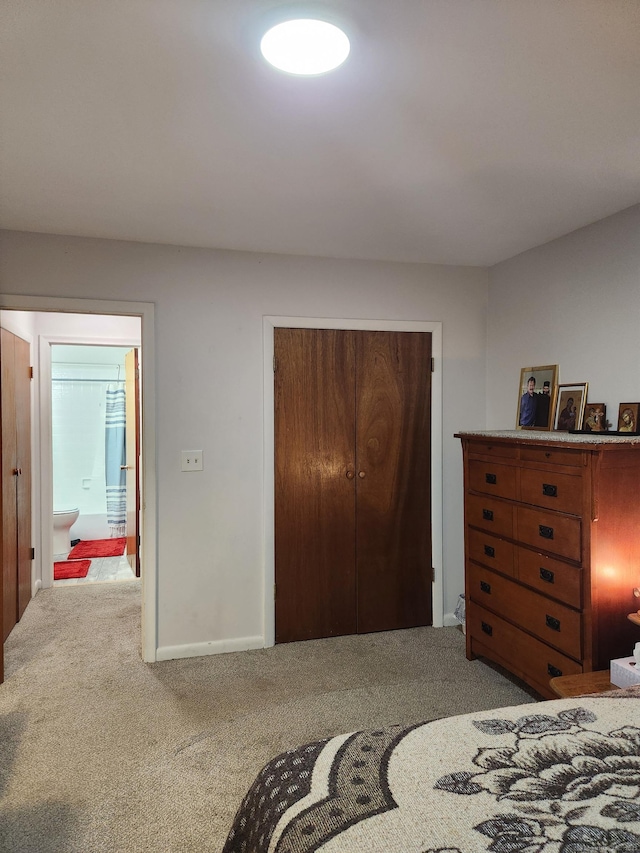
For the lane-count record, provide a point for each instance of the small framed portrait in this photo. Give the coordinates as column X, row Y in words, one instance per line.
column 595, row 418
column 537, row 397
column 628, row 417
column 570, row 406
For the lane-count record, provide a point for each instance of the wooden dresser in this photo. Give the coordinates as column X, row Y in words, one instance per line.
column 552, row 550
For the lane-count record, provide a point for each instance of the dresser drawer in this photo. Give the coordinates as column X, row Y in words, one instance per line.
column 526, row 655
column 552, row 455
column 492, row 478
column 550, row 621
column 491, row 515
column 562, row 492
column 549, row 576
column 548, row 531
column 492, row 448
column 490, row 551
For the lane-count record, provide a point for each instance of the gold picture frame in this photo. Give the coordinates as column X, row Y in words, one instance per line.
column 536, row 403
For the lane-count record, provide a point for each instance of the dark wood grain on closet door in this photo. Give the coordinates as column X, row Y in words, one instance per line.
column 393, row 462
column 9, row 465
column 314, row 484
column 23, row 484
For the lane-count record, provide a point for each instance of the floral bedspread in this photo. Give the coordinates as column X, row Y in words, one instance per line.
column 557, row 777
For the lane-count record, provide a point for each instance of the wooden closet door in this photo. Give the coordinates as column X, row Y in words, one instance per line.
column 23, row 485
column 9, row 485
column 15, row 408
column 393, row 464
column 314, row 484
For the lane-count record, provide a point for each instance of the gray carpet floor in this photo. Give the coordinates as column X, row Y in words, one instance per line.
column 102, row 752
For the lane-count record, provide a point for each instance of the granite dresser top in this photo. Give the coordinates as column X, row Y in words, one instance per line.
column 551, row 435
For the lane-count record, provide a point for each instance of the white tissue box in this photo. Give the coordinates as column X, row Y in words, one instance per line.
column 624, row 672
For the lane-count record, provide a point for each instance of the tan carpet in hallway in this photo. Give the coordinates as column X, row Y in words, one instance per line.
column 102, row 752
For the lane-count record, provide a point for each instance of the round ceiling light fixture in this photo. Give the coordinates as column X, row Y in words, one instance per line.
column 305, row 46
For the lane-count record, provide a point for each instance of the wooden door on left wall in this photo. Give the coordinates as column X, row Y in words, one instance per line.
column 15, row 465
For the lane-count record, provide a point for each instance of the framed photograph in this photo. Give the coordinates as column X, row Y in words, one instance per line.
column 570, row 406
column 537, row 397
column 595, row 418
column 628, row 417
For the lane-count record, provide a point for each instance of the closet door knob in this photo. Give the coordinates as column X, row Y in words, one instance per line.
column 362, row 474
column 350, row 475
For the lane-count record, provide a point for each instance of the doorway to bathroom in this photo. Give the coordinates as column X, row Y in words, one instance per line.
column 42, row 321
column 95, row 451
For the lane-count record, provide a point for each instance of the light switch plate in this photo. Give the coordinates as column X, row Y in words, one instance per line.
column 191, row 460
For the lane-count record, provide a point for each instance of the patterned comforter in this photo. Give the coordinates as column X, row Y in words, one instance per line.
column 557, row 777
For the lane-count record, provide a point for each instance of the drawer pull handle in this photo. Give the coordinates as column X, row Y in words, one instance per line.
column 491, row 479
column 487, row 629
column 549, row 491
column 547, row 575
column 487, row 514
column 485, row 587
column 545, row 532
column 489, row 550
column 553, row 671
column 552, row 623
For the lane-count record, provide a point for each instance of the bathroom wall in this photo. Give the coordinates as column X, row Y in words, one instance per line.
column 80, row 376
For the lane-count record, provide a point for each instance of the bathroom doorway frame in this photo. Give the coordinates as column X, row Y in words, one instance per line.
column 148, row 510
column 46, row 342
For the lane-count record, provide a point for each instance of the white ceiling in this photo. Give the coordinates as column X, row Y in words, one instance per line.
column 458, row 131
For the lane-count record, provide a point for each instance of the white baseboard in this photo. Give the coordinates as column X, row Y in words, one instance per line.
column 450, row 620
column 216, row 647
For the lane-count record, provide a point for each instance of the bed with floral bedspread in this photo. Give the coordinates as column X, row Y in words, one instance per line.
column 556, row 777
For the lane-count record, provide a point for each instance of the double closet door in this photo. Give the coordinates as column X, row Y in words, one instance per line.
column 352, row 482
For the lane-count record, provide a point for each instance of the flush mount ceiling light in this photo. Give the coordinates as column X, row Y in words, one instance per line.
column 305, row 46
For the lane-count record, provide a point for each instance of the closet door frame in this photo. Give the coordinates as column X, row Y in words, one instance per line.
column 435, row 328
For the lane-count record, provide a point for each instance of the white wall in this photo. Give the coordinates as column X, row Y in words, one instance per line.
column 574, row 302
column 209, row 374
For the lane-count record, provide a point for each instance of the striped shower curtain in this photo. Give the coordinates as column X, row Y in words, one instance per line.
column 115, row 459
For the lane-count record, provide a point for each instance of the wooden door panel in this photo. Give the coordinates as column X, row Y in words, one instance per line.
column 9, row 465
column 314, row 484
column 132, row 456
column 23, row 484
column 393, row 462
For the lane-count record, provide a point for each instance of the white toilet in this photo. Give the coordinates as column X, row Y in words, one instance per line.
column 63, row 519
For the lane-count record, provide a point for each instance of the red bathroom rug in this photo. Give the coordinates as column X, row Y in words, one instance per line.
column 98, row 548
column 66, row 569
